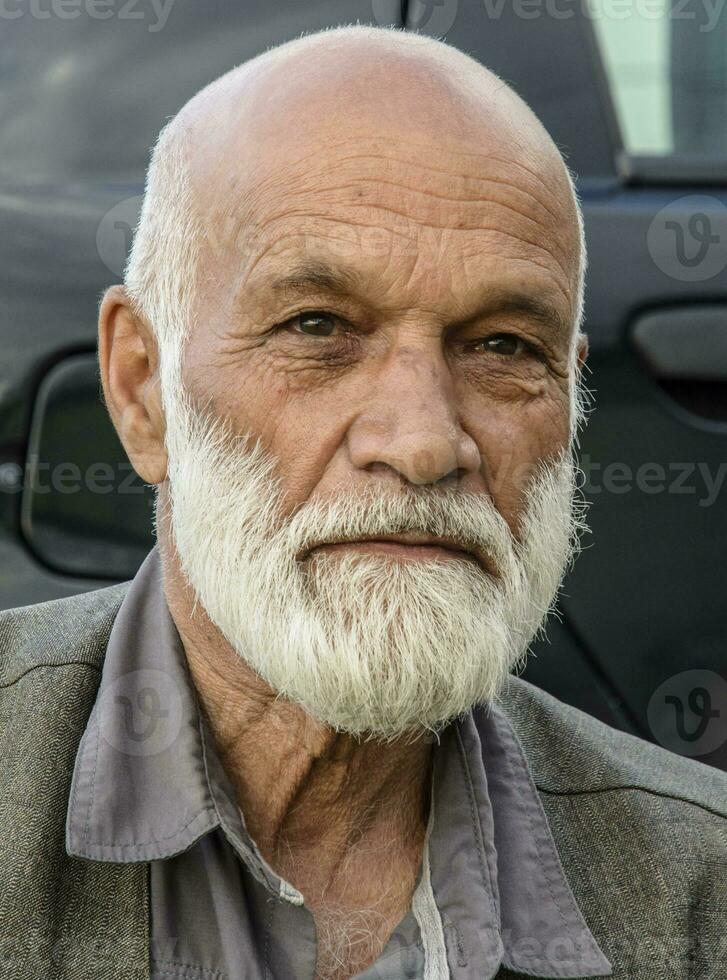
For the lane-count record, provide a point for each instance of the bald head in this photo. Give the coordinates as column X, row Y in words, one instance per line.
column 306, row 102
column 359, row 80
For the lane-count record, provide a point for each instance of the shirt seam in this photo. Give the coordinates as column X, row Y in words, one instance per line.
column 474, row 818
column 92, row 794
column 212, row 796
column 426, row 913
column 155, row 840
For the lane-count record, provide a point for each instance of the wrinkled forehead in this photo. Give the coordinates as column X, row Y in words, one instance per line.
column 418, row 170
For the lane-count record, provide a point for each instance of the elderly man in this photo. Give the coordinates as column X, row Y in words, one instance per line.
column 347, row 354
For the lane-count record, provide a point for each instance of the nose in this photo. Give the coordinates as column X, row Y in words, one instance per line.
column 409, row 425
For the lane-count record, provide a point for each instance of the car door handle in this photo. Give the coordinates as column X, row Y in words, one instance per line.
column 684, row 342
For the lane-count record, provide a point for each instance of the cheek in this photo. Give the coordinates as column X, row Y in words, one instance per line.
column 513, row 441
column 303, row 429
column 297, row 418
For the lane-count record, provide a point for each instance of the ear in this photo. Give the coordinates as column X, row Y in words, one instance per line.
column 129, row 362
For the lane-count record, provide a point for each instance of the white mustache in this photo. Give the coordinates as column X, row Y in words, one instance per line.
column 466, row 521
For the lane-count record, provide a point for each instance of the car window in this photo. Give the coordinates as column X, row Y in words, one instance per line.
column 666, row 65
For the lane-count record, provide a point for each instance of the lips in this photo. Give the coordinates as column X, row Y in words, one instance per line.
column 408, row 545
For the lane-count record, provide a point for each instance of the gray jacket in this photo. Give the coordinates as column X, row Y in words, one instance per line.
column 641, row 833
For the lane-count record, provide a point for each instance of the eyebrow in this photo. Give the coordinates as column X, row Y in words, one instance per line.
column 318, row 275
column 534, row 307
column 342, row 281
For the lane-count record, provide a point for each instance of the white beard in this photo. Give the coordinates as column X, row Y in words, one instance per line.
column 364, row 643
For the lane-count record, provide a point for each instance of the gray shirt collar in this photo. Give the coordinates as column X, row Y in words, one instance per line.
column 148, row 784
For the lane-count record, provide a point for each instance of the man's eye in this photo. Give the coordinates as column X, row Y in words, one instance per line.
column 315, row 324
column 504, row 344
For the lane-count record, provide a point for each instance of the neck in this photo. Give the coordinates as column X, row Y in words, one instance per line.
column 341, row 818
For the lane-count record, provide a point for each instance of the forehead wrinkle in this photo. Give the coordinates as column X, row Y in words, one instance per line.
column 310, row 185
column 292, row 190
column 326, row 275
column 376, row 150
column 490, row 232
column 267, row 168
column 297, row 221
column 267, row 206
column 459, row 225
column 465, row 173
